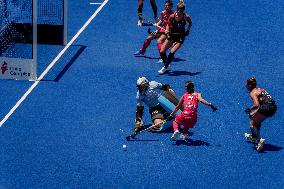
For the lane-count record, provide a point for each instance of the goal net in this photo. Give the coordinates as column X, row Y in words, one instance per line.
column 24, row 24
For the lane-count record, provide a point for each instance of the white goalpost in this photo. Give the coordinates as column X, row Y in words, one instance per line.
column 23, row 25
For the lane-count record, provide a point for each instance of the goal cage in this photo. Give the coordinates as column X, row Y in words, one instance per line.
column 23, row 25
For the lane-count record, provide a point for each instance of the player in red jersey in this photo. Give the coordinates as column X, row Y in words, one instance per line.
column 140, row 9
column 161, row 24
column 188, row 116
column 263, row 107
column 176, row 31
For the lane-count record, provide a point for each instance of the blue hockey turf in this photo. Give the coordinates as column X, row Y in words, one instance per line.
column 69, row 131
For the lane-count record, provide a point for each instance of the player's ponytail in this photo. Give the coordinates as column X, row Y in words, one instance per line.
column 181, row 5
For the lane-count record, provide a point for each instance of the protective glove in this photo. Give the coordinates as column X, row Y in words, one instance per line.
column 166, row 87
column 214, row 108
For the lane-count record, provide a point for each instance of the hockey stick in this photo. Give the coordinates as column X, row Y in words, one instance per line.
column 135, row 134
column 150, row 22
column 156, row 32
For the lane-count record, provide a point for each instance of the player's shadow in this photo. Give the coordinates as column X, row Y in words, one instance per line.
column 158, row 58
column 63, row 68
column 267, row 147
column 149, row 57
column 142, row 140
column 178, row 60
column 179, row 73
column 190, row 142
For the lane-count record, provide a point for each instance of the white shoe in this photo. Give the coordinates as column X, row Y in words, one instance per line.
column 162, row 70
column 160, row 61
column 139, row 23
column 175, row 135
column 260, row 145
column 183, row 136
column 139, row 52
column 250, row 137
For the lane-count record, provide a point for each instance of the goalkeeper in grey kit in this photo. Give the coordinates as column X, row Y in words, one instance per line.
column 148, row 93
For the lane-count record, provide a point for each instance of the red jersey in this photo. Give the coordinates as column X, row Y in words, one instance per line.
column 190, row 104
column 165, row 19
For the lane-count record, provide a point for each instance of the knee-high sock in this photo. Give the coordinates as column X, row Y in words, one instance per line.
column 170, row 59
column 145, row 45
column 159, row 46
column 163, row 57
column 139, row 10
column 154, row 8
column 255, row 133
column 175, row 125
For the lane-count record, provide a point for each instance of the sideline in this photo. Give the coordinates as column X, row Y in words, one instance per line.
column 52, row 64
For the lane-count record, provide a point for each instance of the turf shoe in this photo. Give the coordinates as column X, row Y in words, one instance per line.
column 260, row 145
column 139, row 52
column 250, row 137
column 162, row 70
column 183, row 136
column 160, row 61
column 139, row 23
column 175, row 135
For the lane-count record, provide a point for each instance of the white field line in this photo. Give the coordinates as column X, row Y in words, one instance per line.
column 52, row 64
column 95, row 3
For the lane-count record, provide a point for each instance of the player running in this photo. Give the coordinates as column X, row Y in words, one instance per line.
column 263, row 107
column 176, row 31
column 188, row 116
column 140, row 10
column 160, row 33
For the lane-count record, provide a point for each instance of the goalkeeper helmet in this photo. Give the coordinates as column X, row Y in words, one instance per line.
column 142, row 84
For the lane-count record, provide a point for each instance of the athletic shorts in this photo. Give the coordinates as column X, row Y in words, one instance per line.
column 267, row 110
column 176, row 38
column 158, row 112
column 188, row 122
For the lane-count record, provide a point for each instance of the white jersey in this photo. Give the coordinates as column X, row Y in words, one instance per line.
column 151, row 95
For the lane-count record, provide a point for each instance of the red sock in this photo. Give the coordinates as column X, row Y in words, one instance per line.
column 175, row 126
column 145, row 45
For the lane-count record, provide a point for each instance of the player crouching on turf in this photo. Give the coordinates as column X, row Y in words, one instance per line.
column 148, row 93
column 263, row 107
column 188, row 116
